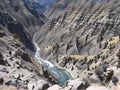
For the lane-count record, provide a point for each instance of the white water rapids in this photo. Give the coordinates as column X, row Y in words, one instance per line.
column 61, row 75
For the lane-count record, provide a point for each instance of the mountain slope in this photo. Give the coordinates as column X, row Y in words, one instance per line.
column 16, row 64
column 19, row 21
column 21, row 18
column 82, row 36
column 83, row 28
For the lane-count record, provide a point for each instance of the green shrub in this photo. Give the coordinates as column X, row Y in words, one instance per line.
column 16, row 36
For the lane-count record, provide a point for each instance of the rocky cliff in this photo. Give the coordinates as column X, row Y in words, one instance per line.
column 82, row 29
column 83, row 37
column 17, row 67
column 19, row 21
column 22, row 18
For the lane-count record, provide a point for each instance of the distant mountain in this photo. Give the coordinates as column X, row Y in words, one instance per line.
column 35, row 5
column 46, row 3
column 43, row 3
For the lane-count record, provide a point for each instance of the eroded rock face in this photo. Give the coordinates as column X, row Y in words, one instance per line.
column 21, row 18
column 78, row 32
column 83, row 37
column 86, row 32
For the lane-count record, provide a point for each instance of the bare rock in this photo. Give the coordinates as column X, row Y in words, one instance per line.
column 39, row 85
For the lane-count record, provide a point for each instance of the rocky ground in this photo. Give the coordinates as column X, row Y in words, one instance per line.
column 18, row 24
column 16, row 65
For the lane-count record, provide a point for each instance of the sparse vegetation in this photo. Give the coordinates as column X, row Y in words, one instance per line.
column 16, row 36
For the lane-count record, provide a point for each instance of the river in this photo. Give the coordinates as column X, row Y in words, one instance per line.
column 61, row 75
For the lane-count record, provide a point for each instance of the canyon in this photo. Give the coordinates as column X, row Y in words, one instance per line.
column 61, row 45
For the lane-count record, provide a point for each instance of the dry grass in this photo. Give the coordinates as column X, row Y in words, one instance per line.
column 80, row 57
column 114, row 40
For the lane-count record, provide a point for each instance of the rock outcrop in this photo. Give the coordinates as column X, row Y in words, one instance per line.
column 17, row 67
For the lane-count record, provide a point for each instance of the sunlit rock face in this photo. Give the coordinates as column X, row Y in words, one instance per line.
column 79, row 27
column 81, row 36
